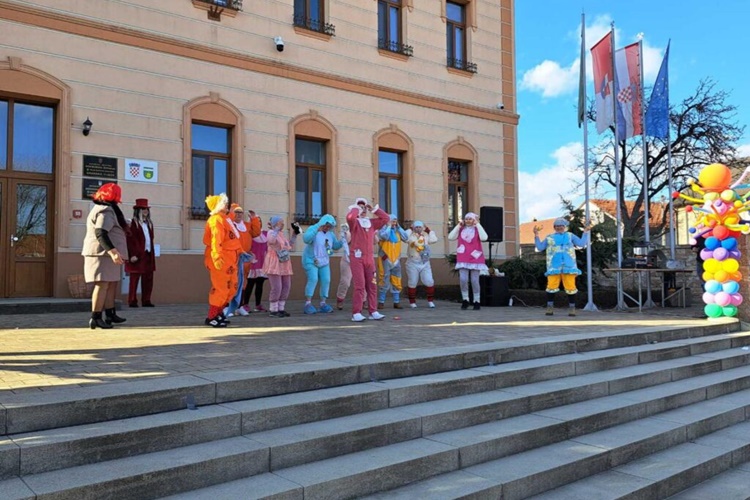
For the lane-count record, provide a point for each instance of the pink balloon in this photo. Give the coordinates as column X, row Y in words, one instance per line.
column 721, row 253
column 736, row 299
column 723, row 299
column 708, row 298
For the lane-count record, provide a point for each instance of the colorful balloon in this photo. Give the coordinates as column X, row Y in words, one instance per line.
column 729, row 311
column 730, row 265
column 712, row 243
column 736, row 299
column 720, row 253
column 721, row 232
column 715, row 177
column 723, row 299
column 713, row 286
column 729, row 243
column 711, row 265
column 708, row 298
column 713, row 310
column 730, row 287
column 721, row 276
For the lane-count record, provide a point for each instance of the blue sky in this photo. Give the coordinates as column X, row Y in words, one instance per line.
column 708, row 40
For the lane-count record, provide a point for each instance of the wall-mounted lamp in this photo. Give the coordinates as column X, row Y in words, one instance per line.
column 87, row 126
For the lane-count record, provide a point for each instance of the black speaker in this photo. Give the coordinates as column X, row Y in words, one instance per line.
column 491, row 219
column 495, row 291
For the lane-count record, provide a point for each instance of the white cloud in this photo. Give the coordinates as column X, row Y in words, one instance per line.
column 554, row 79
column 743, row 151
column 539, row 192
column 551, row 79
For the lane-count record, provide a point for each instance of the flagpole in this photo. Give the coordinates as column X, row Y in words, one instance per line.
column 590, row 306
column 671, row 203
column 620, row 299
column 646, row 198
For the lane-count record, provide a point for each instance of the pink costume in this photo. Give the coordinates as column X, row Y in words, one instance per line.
column 361, row 256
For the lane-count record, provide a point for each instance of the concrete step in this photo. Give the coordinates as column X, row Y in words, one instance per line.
column 733, row 484
column 669, row 472
column 60, row 408
column 582, row 458
column 152, row 475
column 48, row 450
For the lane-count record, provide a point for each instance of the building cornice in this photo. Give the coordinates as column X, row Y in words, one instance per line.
column 25, row 14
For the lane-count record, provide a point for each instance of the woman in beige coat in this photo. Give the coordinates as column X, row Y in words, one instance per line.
column 104, row 251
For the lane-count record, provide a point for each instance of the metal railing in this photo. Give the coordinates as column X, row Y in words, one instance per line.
column 315, row 25
column 229, row 4
column 398, row 48
column 462, row 65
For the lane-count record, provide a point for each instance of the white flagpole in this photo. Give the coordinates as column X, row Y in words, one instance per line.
column 646, row 198
column 671, row 205
column 620, row 300
column 590, row 306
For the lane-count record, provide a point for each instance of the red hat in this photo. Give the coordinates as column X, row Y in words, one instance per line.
column 141, row 203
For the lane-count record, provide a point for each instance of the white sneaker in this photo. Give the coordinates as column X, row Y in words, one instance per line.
column 358, row 317
column 431, row 305
column 242, row 312
column 376, row 316
column 413, row 306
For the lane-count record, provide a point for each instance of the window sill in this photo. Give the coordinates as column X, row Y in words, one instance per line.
column 393, row 55
column 219, row 10
column 460, row 72
column 312, row 34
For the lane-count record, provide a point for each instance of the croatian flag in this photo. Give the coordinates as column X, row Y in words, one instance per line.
column 601, row 56
column 628, row 91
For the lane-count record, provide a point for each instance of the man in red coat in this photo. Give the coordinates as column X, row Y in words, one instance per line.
column 142, row 262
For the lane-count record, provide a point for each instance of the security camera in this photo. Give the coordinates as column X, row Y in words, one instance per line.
column 279, row 43
column 500, row 105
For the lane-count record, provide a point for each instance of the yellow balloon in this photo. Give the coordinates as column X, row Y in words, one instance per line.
column 731, row 220
column 738, row 204
column 708, row 276
column 715, row 177
column 711, row 196
column 711, row 265
column 721, row 276
column 730, row 265
column 728, row 195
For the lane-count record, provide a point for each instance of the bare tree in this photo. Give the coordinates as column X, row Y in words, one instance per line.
column 703, row 130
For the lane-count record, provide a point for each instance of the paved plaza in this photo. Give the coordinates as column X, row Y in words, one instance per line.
column 40, row 352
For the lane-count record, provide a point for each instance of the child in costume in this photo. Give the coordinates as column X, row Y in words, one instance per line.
column 561, row 261
column 419, row 239
column 389, row 262
column 469, row 257
column 316, row 260
column 278, row 265
column 345, row 269
column 361, row 256
column 246, row 233
column 220, row 258
column 255, row 275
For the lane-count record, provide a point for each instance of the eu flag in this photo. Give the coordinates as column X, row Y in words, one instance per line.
column 657, row 114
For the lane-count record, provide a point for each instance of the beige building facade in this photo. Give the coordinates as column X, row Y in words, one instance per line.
column 411, row 104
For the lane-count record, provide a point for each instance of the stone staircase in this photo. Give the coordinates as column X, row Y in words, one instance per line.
column 644, row 414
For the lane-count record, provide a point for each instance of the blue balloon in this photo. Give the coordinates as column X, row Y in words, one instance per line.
column 713, row 286
column 712, row 243
column 729, row 243
column 730, row 287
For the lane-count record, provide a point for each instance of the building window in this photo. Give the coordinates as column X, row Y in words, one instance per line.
column 458, row 186
column 456, row 38
column 390, row 27
column 390, row 182
column 310, row 180
column 211, row 165
column 27, row 137
column 310, row 14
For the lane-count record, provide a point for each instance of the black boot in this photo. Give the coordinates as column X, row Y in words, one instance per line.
column 476, row 306
column 97, row 321
column 112, row 316
column 465, row 305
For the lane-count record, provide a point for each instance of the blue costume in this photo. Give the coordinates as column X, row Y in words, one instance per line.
column 319, row 246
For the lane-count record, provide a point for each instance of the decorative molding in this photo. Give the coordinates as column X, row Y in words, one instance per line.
column 64, row 23
column 15, row 63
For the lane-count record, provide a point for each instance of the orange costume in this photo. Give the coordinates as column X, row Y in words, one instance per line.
column 223, row 247
column 248, row 231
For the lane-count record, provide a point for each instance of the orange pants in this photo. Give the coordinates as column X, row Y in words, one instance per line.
column 223, row 281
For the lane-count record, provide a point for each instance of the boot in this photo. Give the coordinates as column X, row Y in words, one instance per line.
column 112, row 316
column 97, row 321
column 550, row 311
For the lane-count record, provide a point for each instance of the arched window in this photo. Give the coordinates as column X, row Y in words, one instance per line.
column 213, row 141
column 393, row 185
column 313, row 171
column 461, row 184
